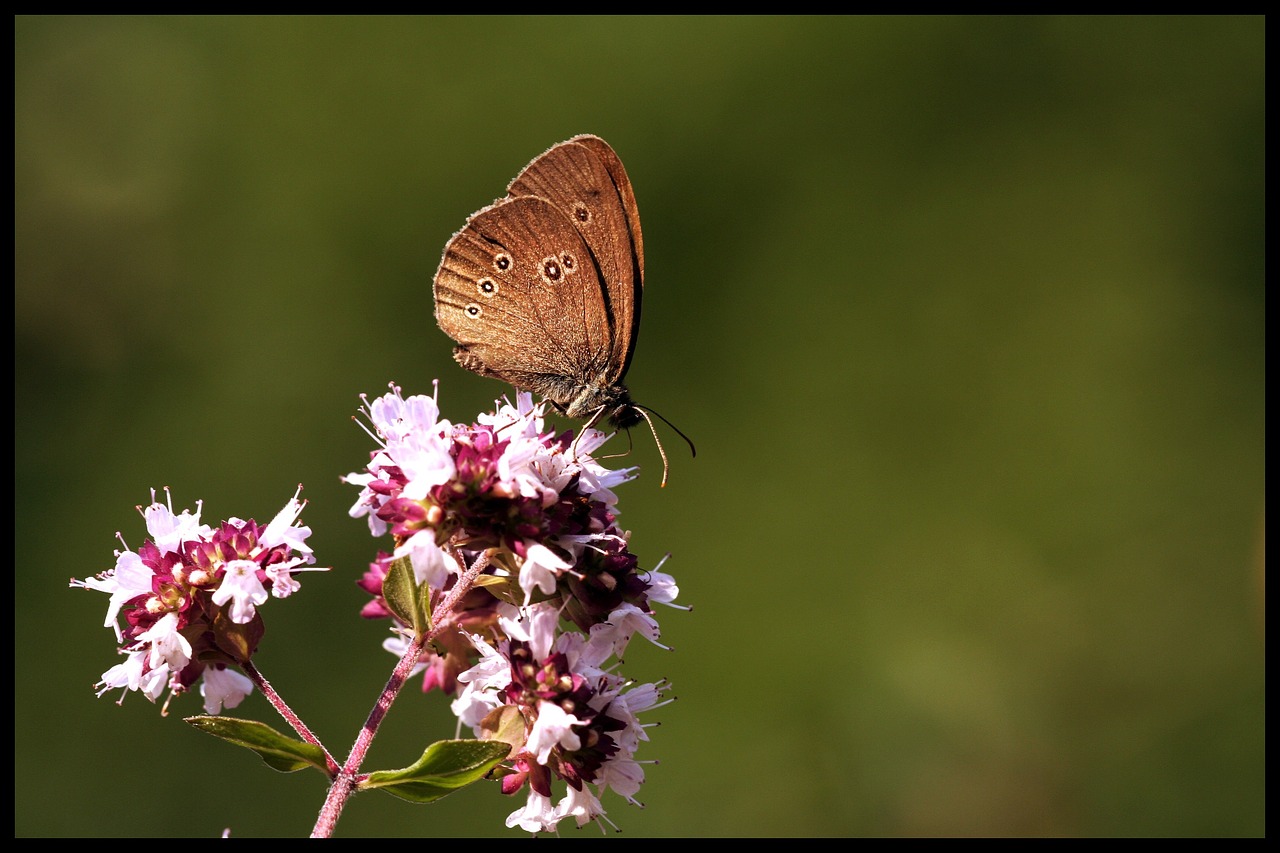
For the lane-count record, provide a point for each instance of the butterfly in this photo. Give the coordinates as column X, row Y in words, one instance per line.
column 542, row 289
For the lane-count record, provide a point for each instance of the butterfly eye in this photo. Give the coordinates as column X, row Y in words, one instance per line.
column 568, row 262
column 551, row 270
column 487, row 286
column 502, row 261
column 581, row 213
column 473, row 310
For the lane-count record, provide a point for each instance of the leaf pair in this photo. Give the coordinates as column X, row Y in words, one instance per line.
column 444, row 767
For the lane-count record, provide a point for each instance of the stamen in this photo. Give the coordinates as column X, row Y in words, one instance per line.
column 371, row 433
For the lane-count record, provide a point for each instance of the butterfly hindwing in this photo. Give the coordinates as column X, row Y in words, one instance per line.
column 518, row 289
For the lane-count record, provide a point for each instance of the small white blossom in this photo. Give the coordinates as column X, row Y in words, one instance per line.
column 240, row 585
column 582, row 806
column 128, row 580
column 223, row 686
column 283, row 584
column 623, row 776
column 167, row 645
column 169, row 531
column 553, row 728
column 127, row 675
column 540, row 568
column 481, row 684
column 431, row 563
column 281, row 530
column 537, row 815
column 535, row 624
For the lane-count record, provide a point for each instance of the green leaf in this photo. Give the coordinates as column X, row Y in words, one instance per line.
column 506, row 724
column 491, row 580
column 280, row 752
column 424, row 608
column 400, row 591
column 445, row 767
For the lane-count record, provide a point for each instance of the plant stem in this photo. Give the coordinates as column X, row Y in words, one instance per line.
column 347, row 778
column 285, row 711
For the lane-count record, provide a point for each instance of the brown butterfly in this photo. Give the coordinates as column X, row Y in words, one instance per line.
column 542, row 288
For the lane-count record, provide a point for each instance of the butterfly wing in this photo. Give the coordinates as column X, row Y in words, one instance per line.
column 584, row 179
column 519, row 291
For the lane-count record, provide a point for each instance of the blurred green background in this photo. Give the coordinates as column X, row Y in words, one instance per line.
column 964, row 314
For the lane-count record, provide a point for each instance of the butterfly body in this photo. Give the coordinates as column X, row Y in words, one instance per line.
column 542, row 289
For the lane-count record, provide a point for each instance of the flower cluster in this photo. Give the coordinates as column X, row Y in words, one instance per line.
column 527, row 651
column 189, row 597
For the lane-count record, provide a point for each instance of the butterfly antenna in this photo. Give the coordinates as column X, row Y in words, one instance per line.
column 656, row 441
column 644, row 411
column 693, row 451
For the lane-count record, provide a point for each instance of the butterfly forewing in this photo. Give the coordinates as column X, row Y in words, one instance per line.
column 584, row 179
column 521, row 271
column 618, row 174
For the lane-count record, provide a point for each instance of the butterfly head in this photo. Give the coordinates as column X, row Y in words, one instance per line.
column 614, row 403
column 604, row 401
